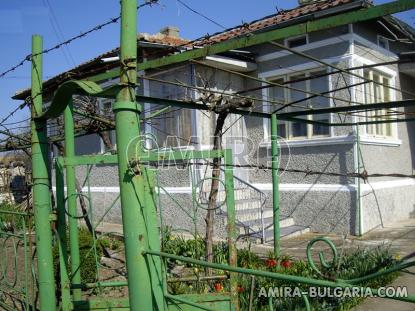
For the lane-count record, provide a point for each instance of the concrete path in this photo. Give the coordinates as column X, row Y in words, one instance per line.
column 399, row 236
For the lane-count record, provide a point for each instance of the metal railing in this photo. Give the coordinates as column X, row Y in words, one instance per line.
column 255, row 194
column 18, row 289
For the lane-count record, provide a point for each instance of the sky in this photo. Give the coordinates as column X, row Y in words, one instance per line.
column 57, row 20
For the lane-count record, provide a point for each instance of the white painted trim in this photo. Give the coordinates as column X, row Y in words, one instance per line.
column 323, row 141
column 309, row 46
column 301, row 67
column 285, row 187
column 231, row 63
column 176, row 190
column 322, row 43
column 374, row 46
column 380, row 37
column 365, row 61
column 308, row 187
column 117, row 189
column 379, row 141
column 388, row 184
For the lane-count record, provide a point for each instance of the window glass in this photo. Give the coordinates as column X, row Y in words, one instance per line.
column 377, row 91
column 292, row 43
column 277, row 93
column 298, row 94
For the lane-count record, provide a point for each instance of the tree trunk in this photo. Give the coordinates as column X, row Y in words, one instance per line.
column 210, row 215
column 83, row 204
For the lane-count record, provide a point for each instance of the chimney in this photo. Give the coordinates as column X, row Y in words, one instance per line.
column 170, row 31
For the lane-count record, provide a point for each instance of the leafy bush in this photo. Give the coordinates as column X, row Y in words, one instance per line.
column 355, row 264
column 358, row 263
column 192, row 248
column 87, row 257
column 11, row 222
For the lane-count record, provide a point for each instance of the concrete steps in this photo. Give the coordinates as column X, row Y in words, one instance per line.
column 248, row 216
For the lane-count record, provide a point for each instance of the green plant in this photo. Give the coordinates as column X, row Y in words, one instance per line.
column 11, row 222
column 357, row 263
column 88, row 264
column 248, row 259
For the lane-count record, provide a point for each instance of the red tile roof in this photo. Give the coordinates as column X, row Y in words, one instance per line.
column 273, row 20
column 269, row 21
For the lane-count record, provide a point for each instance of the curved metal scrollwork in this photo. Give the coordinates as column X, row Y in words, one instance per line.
column 86, row 213
column 323, row 261
column 353, row 282
column 199, row 186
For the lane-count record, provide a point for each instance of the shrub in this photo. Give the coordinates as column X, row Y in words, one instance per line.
column 358, row 263
column 87, row 257
column 11, row 222
column 355, row 264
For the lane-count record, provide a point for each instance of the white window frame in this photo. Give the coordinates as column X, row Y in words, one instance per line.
column 385, row 40
column 368, row 138
column 101, row 102
column 309, row 135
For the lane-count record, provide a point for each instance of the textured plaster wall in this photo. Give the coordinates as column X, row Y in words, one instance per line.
column 383, row 206
column 331, row 211
column 177, row 213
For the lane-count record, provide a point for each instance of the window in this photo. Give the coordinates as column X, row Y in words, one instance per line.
column 297, row 41
column 105, row 107
column 377, row 92
column 383, row 42
column 172, row 128
column 300, row 98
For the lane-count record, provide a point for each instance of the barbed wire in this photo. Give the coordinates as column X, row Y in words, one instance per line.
column 307, row 172
column 98, row 27
column 201, row 14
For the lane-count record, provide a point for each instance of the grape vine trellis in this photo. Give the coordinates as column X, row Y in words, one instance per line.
column 145, row 259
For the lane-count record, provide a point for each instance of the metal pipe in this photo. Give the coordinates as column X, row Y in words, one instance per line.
column 196, row 279
column 358, row 194
column 275, row 185
column 131, row 179
column 71, row 196
column 187, row 302
column 294, row 278
column 99, row 284
column 62, row 238
column 231, row 218
column 41, row 185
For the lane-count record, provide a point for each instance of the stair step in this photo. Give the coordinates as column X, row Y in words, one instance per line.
column 252, row 214
column 286, row 232
column 248, row 204
column 268, row 222
column 239, row 194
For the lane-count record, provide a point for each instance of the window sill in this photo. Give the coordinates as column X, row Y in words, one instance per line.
column 380, row 141
column 323, row 141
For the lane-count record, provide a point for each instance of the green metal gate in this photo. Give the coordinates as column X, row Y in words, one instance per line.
column 145, row 260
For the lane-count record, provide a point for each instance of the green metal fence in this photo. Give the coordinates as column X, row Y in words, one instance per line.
column 18, row 282
column 56, row 242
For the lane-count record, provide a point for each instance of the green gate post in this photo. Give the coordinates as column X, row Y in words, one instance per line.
column 71, row 198
column 131, row 173
column 41, row 185
column 231, row 218
column 275, row 185
column 61, row 231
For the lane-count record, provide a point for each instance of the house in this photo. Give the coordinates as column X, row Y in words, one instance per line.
column 322, row 202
